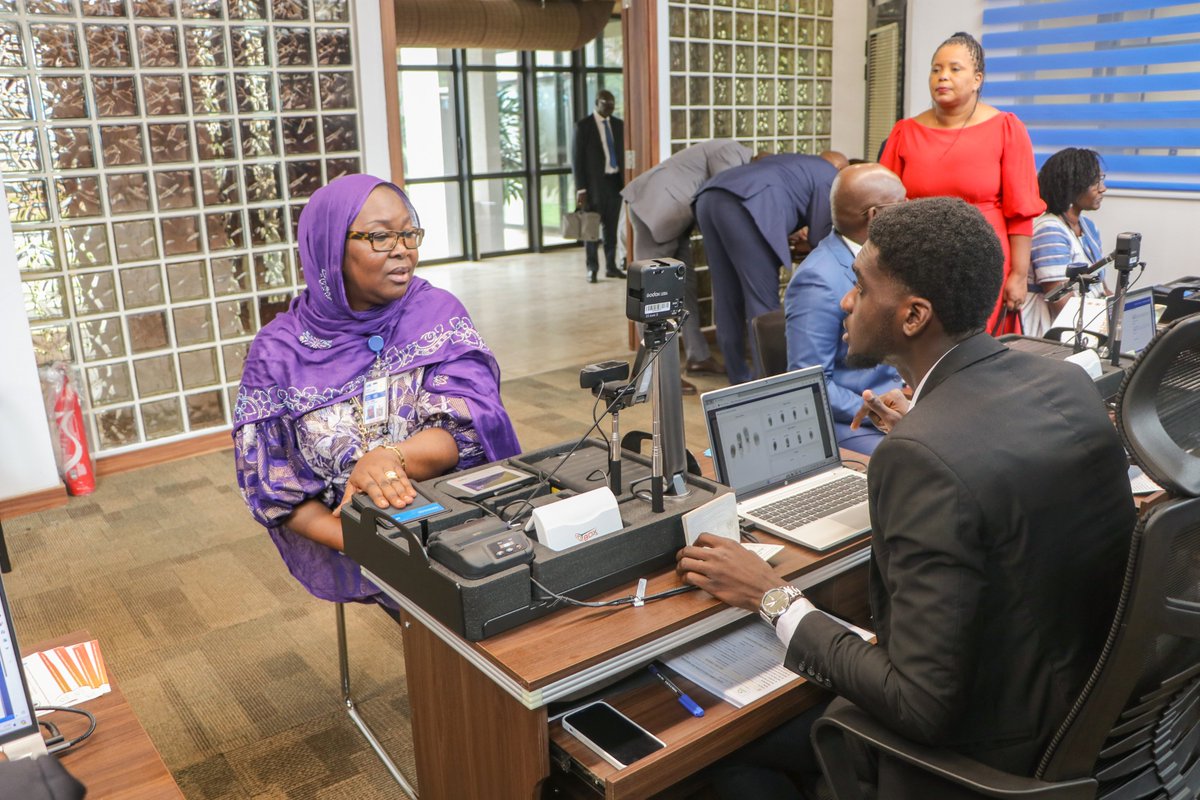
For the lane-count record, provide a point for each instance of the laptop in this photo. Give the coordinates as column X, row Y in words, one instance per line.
column 773, row 443
column 20, row 736
column 1139, row 322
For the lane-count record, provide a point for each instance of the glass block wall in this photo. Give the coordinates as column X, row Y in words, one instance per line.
column 759, row 71
column 156, row 155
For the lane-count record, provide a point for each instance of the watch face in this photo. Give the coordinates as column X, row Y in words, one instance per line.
column 775, row 602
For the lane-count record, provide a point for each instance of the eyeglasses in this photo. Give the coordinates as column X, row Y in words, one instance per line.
column 385, row 241
column 1098, row 181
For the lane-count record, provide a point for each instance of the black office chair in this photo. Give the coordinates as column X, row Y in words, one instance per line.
column 770, row 343
column 1134, row 731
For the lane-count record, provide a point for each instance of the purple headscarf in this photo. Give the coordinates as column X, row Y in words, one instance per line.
column 316, row 353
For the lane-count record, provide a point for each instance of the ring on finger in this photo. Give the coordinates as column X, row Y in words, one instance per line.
column 392, row 475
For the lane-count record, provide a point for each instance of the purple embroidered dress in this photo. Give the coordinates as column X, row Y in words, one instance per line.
column 296, row 431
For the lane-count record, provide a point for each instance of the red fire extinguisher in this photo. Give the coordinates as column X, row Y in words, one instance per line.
column 68, row 415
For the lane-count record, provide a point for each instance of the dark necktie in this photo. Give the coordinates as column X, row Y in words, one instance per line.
column 612, row 148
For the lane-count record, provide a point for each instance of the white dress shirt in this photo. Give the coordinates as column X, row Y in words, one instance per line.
column 609, row 169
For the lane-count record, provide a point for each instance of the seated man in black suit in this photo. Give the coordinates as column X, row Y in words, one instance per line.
column 996, row 560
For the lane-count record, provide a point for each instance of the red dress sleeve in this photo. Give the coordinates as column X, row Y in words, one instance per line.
column 890, row 157
column 1020, row 199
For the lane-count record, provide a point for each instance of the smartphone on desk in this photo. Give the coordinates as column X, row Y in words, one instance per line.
column 610, row 734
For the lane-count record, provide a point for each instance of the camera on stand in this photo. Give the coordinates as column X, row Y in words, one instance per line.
column 655, row 301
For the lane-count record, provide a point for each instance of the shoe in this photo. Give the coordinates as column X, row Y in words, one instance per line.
column 615, row 272
column 686, row 388
column 708, row 366
column 592, row 276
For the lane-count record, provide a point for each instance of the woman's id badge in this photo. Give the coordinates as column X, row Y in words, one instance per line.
column 375, row 401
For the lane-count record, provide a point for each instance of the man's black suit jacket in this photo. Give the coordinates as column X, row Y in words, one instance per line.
column 1001, row 515
column 587, row 157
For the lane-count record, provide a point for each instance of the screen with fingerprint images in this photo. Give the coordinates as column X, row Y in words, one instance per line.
column 772, row 438
column 15, row 715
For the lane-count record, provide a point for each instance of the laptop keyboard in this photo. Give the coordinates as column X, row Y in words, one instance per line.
column 800, row 509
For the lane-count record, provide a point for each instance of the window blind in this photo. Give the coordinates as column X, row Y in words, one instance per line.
column 1121, row 77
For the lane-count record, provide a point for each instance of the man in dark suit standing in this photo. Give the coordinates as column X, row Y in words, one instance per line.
column 746, row 215
column 996, row 558
column 598, row 160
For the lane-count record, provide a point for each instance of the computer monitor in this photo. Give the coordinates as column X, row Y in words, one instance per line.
column 20, row 736
column 1138, row 323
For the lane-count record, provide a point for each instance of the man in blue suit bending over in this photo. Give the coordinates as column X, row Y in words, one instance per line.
column 812, row 301
column 746, row 215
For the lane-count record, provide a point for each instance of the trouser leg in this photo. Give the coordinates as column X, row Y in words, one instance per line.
column 740, row 263
column 608, row 203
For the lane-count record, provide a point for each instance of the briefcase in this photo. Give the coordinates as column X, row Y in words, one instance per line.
column 581, row 225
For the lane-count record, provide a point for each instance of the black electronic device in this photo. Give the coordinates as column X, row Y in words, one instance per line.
column 480, row 547
column 1180, row 298
column 610, row 734
column 485, row 482
column 602, row 372
column 420, row 508
column 401, row 556
column 655, row 290
column 1127, row 253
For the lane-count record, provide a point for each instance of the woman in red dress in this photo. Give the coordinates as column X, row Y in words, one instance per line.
column 966, row 148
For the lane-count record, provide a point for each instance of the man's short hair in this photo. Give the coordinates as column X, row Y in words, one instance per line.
column 944, row 250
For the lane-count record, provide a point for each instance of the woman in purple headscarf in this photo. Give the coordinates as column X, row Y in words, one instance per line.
column 372, row 378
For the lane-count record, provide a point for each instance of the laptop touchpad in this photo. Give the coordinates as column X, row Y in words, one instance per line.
column 856, row 518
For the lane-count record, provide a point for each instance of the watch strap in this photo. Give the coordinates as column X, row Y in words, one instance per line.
column 793, row 594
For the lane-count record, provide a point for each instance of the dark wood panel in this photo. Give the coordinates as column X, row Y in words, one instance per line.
column 692, row 742
column 639, row 27
column 468, row 732
column 160, row 454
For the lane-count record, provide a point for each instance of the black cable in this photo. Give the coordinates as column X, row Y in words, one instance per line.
column 528, row 502
column 1104, row 312
column 627, row 600
column 58, row 748
column 862, row 464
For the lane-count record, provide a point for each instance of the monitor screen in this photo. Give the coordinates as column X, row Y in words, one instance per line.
column 1138, row 323
column 771, row 432
column 17, row 718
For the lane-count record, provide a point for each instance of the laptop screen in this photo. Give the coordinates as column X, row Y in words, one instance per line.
column 1138, row 324
column 770, row 432
column 16, row 712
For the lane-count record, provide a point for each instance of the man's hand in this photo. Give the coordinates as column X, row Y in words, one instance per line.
column 798, row 243
column 581, row 198
column 884, row 410
column 726, row 570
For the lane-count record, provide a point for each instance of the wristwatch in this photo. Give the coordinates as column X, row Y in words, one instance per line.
column 776, row 601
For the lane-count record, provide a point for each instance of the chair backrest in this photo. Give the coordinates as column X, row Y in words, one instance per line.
column 1136, row 725
column 770, row 343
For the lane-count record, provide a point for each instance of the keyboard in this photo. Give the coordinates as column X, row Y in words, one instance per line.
column 799, row 509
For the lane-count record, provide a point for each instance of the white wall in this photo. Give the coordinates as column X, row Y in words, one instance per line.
column 849, row 77
column 1166, row 221
column 372, row 100
column 26, row 455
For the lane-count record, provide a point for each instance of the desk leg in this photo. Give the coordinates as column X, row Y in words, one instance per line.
column 471, row 738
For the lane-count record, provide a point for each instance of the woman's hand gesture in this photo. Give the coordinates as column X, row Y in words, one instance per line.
column 380, row 473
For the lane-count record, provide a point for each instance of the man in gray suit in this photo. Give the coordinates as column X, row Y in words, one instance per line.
column 996, row 559
column 660, row 208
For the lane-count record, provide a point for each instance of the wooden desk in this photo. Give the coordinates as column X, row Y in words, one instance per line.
column 118, row 761
column 479, row 708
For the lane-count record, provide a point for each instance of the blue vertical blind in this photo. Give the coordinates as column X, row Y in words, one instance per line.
column 1121, row 77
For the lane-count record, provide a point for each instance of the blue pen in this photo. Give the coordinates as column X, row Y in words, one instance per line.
column 687, row 702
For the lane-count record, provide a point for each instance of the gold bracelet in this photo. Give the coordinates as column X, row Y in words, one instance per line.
column 399, row 454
